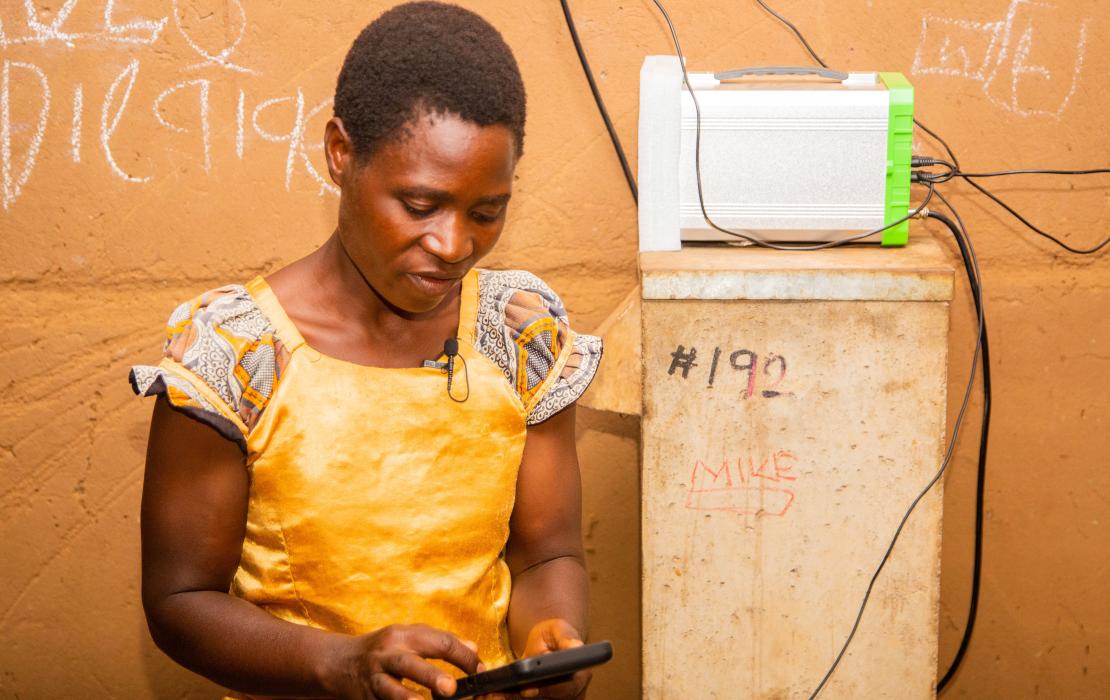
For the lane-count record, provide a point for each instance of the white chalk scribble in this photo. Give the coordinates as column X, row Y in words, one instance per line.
column 141, row 32
column 203, row 109
column 75, row 127
column 326, row 186
column 12, row 183
column 239, row 125
column 136, row 31
column 130, row 73
column 115, row 27
column 990, row 52
column 223, row 58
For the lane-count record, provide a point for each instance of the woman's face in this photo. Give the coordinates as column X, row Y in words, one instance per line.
column 425, row 207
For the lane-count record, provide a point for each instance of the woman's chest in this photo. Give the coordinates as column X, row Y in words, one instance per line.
column 341, row 444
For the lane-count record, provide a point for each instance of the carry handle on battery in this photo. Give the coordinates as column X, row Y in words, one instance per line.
column 782, row 70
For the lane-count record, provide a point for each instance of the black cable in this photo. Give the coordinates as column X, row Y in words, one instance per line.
column 973, row 278
column 984, row 435
column 628, row 172
column 953, row 172
column 920, row 175
column 815, row 57
column 450, row 375
column 697, row 169
column 1036, row 171
column 1035, row 229
column 451, row 350
column 971, row 264
column 977, row 561
column 600, row 104
column 974, row 265
column 942, row 142
column 797, row 33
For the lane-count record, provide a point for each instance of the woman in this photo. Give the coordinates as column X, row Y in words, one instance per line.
column 380, row 505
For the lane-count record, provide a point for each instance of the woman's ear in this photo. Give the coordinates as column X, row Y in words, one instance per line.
column 339, row 151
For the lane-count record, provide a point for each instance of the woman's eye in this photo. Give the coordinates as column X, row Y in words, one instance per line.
column 485, row 217
column 418, row 211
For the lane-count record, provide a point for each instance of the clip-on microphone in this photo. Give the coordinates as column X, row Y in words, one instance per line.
column 450, row 349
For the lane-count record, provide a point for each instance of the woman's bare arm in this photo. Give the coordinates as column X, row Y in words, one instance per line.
column 194, row 513
column 550, row 599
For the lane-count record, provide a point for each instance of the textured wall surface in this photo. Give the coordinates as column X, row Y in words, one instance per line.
column 152, row 149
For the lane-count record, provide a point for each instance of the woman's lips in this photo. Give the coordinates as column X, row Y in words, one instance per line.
column 436, row 286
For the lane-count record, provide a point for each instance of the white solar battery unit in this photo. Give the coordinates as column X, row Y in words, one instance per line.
column 784, row 157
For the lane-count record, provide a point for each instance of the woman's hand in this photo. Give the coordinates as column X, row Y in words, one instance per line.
column 548, row 636
column 372, row 666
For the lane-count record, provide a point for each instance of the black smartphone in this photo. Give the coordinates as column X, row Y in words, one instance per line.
column 547, row 668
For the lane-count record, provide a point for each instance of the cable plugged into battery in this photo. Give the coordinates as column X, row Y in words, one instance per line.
column 922, row 173
column 952, row 170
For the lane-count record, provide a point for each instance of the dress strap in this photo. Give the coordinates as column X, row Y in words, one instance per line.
column 267, row 301
column 468, row 307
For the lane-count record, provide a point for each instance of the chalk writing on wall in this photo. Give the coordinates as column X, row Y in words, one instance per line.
column 760, row 375
column 140, row 32
column 759, row 485
column 1002, row 57
column 14, row 181
column 61, row 123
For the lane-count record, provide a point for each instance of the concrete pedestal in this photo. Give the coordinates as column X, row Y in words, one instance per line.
column 793, row 406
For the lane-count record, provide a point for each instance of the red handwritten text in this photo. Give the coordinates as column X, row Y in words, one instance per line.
column 748, row 486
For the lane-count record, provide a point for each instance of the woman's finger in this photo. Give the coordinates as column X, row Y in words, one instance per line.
column 560, row 691
column 561, row 635
column 431, row 643
column 569, row 643
column 385, row 687
column 414, row 668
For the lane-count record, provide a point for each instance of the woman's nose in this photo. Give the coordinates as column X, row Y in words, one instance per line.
column 450, row 241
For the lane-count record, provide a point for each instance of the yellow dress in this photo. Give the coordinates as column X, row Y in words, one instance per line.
column 375, row 498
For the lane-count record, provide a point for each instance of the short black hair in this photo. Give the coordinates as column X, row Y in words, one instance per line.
column 427, row 56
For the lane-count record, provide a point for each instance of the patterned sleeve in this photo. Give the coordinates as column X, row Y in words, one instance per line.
column 221, row 362
column 523, row 328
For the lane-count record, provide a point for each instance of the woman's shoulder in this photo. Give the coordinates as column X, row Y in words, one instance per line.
column 221, row 361
column 523, row 327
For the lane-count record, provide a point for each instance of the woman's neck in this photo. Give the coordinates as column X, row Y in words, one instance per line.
column 340, row 314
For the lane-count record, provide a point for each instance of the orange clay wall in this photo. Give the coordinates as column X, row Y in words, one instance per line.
column 154, row 149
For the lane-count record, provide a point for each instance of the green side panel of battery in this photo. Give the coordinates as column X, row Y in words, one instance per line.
column 899, row 148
